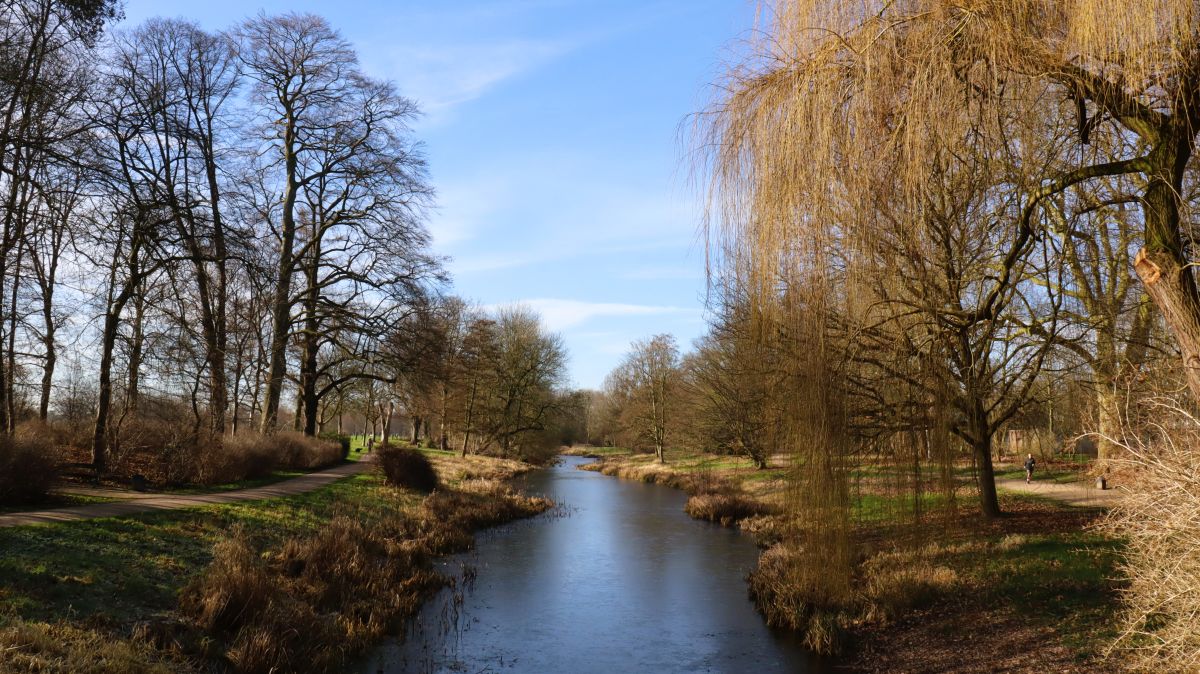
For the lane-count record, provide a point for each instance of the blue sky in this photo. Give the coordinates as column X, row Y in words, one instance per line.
column 555, row 135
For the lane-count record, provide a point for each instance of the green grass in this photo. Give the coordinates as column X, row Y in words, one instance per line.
column 1064, row 581
column 131, row 568
column 879, row 509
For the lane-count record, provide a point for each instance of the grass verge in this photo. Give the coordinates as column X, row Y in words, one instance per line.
column 326, row 554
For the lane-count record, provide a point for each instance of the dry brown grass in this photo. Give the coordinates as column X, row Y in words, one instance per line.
column 889, row 585
column 42, row 648
column 650, row 473
column 318, row 600
column 725, row 509
column 453, row 468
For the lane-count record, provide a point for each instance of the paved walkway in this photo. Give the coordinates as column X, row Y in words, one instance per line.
column 145, row 503
column 1083, row 494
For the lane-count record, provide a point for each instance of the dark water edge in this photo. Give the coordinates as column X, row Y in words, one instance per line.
column 616, row 579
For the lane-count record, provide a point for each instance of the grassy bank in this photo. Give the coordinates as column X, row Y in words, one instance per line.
column 231, row 585
column 1032, row 591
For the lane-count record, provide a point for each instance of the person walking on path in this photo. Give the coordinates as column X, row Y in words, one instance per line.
column 1029, row 464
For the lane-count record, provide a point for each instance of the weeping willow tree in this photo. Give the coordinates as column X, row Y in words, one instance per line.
column 886, row 172
column 885, row 178
column 835, row 88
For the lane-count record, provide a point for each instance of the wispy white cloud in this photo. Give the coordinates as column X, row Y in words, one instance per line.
column 445, row 75
column 554, row 210
column 559, row 314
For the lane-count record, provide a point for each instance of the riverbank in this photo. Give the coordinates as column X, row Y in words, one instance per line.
column 1032, row 591
column 300, row 583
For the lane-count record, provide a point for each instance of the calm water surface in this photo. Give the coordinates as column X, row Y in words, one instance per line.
column 618, row 579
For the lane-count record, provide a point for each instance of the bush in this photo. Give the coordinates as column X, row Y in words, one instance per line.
column 235, row 458
column 245, row 456
column 343, row 441
column 28, row 467
column 1159, row 521
column 301, row 452
column 405, row 467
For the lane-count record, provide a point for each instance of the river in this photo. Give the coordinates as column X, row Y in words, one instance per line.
column 616, row 579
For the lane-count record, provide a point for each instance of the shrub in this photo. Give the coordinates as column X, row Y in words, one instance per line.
column 1159, row 521
column 28, row 467
column 406, row 467
column 299, row 451
column 235, row 458
column 342, row 441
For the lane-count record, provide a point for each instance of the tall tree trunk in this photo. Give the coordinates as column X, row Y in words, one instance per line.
column 108, row 341
column 1170, row 285
column 443, row 441
column 989, row 504
column 104, row 391
column 136, row 343
column 298, row 414
column 1163, row 265
column 218, row 344
column 48, row 278
column 308, row 361
column 10, row 395
column 470, row 415
column 387, row 422
column 48, row 366
column 281, row 304
column 238, row 363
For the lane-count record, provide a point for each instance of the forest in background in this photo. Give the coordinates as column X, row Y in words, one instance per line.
column 210, row 235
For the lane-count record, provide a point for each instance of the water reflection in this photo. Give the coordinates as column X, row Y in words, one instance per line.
column 618, row 579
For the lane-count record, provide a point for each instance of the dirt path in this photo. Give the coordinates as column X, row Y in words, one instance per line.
column 1083, row 494
column 152, row 503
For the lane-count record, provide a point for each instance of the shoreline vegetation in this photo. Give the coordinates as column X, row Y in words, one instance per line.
column 303, row 583
column 1032, row 591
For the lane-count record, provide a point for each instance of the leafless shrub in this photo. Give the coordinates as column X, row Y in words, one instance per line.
column 28, row 467
column 1160, row 524
column 407, row 467
column 296, row 450
column 235, row 458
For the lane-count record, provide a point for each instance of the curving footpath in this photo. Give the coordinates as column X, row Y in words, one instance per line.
column 154, row 503
column 1079, row 494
